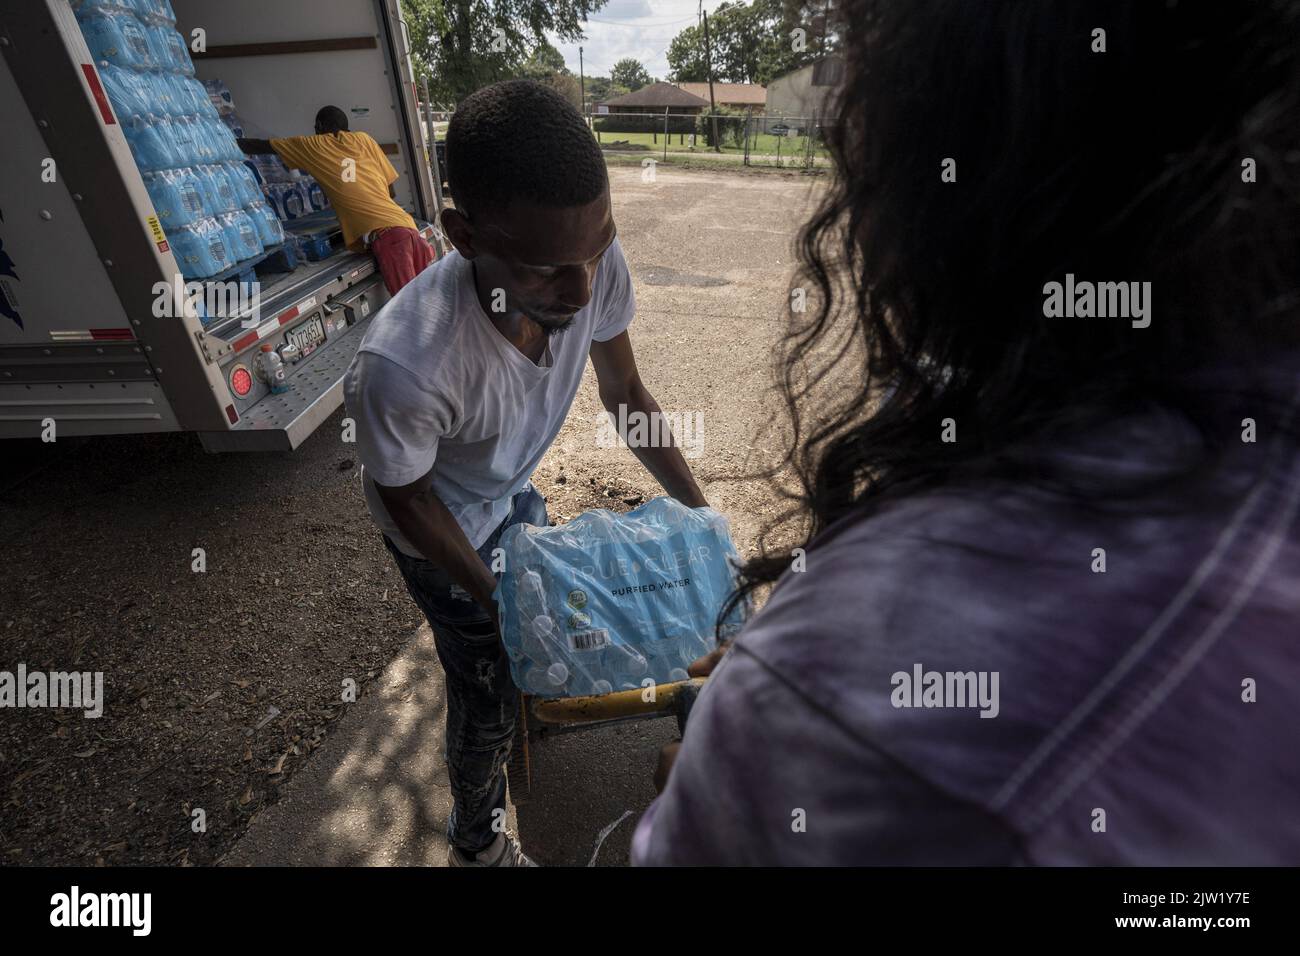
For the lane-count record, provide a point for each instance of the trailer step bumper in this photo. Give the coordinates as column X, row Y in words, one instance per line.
column 283, row 422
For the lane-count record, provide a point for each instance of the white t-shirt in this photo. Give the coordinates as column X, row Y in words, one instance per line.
column 434, row 385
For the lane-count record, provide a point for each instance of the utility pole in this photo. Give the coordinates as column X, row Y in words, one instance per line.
column 582, row 83
column 708, row 65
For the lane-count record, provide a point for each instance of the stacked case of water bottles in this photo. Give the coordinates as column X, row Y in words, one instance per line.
column 292, row 193
column 207, row 199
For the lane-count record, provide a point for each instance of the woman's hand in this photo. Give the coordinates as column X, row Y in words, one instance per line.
column 702, row 667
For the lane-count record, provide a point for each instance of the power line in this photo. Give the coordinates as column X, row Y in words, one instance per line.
column 653, row 23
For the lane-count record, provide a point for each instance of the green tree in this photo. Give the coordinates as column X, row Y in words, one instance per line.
column 630, row 73
column 461, row 45
column 545, row 61
column 752, row 43
column 601, row 88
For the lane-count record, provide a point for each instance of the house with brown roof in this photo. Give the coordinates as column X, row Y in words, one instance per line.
column 656, row 98
column 660, row 106
column 739, row 96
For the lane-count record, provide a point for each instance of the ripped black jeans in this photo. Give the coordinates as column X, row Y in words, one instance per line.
column 482, row 700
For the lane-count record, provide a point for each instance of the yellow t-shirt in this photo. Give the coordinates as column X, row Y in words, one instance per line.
column 358, row 190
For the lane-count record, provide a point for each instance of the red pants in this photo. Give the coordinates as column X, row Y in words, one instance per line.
column 401, row 254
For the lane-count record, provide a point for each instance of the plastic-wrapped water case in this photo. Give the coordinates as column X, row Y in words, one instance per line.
column 270, row 168
column 241, row 235
column 233, row 123
column 152, row 142
column 268, row 225
column 168, row 49
column 177, row 196
column 125, row 88
column 119, row 38
column 200, row 248
column 193, row 95
column 88, row 8
column 153, row 11
column 220, row 96
column 608, row 602
column 319, row 199
column 218, row 192
column 289, row 200
column 245, row 183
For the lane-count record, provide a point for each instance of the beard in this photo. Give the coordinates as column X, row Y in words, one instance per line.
column 552, row 325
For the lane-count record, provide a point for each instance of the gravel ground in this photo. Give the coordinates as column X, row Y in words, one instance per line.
column 221, row 684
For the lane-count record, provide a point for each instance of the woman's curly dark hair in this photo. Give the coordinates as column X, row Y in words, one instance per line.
column 1124, row 165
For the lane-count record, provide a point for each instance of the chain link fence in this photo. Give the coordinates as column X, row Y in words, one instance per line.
column 748, row 139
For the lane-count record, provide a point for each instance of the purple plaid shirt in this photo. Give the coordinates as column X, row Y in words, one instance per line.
column 1146, row 714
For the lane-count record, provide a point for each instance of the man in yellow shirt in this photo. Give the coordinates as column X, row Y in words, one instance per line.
column 358, row 178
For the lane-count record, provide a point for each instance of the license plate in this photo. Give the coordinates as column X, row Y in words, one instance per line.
column 307, row 336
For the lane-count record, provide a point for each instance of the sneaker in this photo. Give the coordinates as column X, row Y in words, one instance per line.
column 503, row 851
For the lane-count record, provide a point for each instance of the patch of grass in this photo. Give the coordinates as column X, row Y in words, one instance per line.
column 762, row 144
column 696, row 161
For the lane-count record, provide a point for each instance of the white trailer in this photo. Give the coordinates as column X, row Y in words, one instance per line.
column 82, row 254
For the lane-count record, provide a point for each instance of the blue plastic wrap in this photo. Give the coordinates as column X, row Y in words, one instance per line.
column 169, row 50
column 289, row 200
column 126, row 90
column 154, row 11
column 120, row 39
column 245, row 183
column 614, row 602
column 270, row 168
column 268, row 225
column 219, row 96
column 200, row 248
column 241, row 235
column 177, row 197
column 317, row 195
column 233, row 123
column 193, row 95
column 152, row 142
column 89, row 8
column 218, row 192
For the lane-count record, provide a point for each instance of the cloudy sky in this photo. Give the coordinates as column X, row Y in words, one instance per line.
column 637, row 28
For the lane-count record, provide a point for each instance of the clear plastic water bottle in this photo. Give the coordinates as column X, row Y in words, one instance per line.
column 89, row 8
column 530, row 595
column 200, row 248
column 245, row 183
column 536, row 681
column 184, row 145
column 125, row 90
column 153, row 11
column 118, row 38
column 219, row 193
column 193, row 94
column 176, row 196
column 268, row 225
column 273, row 369
column 151, row 151
column 241, row 235
column 169, row 50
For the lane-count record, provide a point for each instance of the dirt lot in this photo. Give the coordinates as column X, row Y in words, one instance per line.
column 220, row 685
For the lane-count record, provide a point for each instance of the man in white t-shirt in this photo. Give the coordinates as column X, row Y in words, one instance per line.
column 463, row 381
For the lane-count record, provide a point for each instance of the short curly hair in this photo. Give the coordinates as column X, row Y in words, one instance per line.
column 519, row 139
